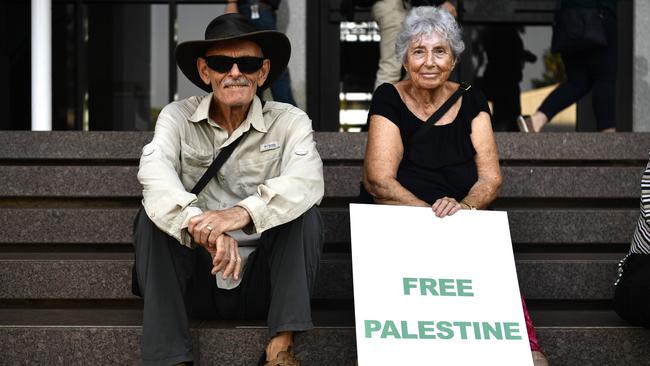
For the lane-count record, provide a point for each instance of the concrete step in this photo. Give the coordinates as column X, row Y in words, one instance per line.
column 98, row 181
column 543, row 276
column 568, row 227
column 125, row 146
column 112, row 336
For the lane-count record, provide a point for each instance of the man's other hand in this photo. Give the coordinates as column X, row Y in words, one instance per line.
column 225, row 257
column 209, row 231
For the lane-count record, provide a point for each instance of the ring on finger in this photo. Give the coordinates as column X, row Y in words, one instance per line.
column 209, row 227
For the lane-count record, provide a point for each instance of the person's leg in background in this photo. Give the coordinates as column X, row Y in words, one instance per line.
column 507, row 106
column 389, row 15
column 281, row 89
column 603, row 68
column 577, row 86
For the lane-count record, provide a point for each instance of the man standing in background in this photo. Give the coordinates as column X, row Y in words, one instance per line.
column 262, row 13
column 389, row 15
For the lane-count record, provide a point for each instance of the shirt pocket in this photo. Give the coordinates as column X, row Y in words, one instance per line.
column 253, row 172
column 194, row 163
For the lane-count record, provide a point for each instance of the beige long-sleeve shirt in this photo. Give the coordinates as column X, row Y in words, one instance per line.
column 275, row 173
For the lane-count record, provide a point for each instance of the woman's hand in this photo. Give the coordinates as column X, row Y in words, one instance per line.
column 446, row 206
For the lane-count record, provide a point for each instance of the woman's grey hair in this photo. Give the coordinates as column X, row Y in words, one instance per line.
column 425, row 20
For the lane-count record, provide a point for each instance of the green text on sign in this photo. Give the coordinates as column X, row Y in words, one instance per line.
column 440, row 287
column 428, row 329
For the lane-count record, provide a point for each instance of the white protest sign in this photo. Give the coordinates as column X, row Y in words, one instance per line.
column 432, row 291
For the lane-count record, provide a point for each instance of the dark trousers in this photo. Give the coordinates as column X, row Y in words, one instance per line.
column 505, row 96
column 281, row 87
column 176, row 284
column 593, row 70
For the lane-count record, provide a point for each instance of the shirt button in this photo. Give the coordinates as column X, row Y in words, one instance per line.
column 220, row 177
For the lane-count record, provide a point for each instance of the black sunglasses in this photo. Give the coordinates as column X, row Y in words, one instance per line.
column 245, row 64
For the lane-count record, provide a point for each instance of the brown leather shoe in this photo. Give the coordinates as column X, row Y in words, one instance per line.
column 284, row 359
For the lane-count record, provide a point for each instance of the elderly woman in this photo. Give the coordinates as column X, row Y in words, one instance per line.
column 450, row 164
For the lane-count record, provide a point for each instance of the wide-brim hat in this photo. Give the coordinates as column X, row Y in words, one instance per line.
column 275, row 46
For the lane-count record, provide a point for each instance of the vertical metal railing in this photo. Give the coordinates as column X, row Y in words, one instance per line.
column 173, row 40
column 41, row 69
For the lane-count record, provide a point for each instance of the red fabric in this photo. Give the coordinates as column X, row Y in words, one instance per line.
column 532, row 336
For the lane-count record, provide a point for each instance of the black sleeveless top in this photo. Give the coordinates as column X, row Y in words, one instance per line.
column 441, row 163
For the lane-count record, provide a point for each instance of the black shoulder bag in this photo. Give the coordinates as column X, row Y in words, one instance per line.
column 143, row 227
column 632, row 294
column 364, row 196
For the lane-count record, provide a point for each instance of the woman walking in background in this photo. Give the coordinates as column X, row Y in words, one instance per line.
column 586, row 69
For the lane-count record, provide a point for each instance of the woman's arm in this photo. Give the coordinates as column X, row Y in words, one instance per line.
column 384, row 153
column 486, row 188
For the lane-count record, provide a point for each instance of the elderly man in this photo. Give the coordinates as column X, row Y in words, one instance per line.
column 248, row 245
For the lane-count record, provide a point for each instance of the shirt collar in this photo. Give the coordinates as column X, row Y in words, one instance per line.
column 201, row 112
column 254, row 118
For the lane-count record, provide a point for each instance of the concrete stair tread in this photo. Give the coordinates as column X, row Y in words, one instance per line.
column 65, row 255
column 568, row 346
column 326, row 257
column 130, row 316
column 126, row 146
column 91, row 275
column 107, row 226
column 78, row 181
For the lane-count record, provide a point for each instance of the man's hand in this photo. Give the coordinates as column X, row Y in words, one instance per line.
column 445, row 206
column 210, row 225
column 450, row 8
column 225, row 257
column 209, row 231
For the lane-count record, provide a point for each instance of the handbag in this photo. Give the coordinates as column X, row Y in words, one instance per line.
column 364, row 195
column 632, row 294
column 577, row 29
column 145, row 229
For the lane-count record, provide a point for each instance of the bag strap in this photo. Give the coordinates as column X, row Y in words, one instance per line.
column 216, row 165
column 422, row 131
column 218, row 161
